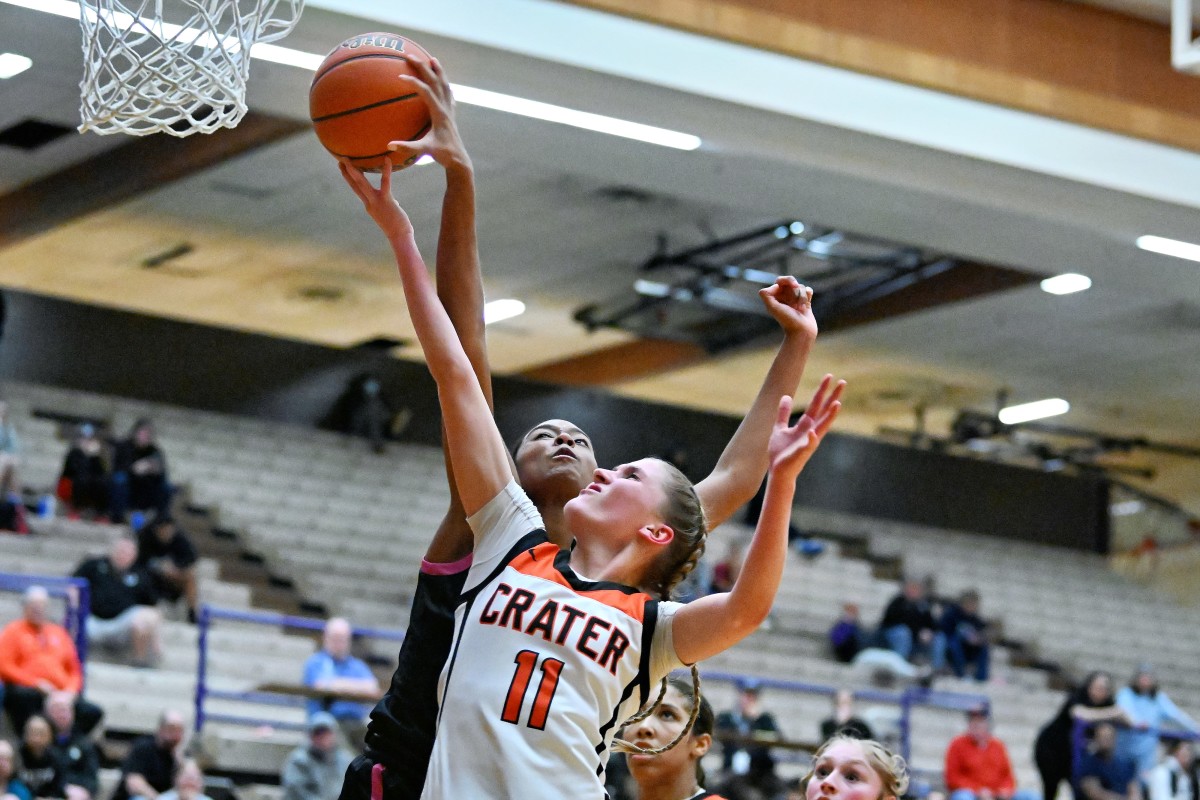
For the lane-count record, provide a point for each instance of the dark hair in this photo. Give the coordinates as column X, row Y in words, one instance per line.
column 1082, row 692
column 705, row 721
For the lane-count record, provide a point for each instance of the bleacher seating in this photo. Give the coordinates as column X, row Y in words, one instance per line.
column 348, row 528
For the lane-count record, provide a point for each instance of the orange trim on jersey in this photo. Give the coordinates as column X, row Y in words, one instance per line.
column 538, row 562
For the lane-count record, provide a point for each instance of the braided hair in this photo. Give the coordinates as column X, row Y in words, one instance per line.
column 685, row 516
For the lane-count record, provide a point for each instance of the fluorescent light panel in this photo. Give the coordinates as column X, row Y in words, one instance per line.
column 547, row 112
column 1038, row 409
column 499, row 310
column 13, row 64
column 1170, row 247
column 1067, row 283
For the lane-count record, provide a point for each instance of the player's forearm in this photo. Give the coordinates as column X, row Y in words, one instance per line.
column 762, row 570
column 742, row 464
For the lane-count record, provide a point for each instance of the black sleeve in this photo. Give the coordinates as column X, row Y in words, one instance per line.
column 85, row 770
column 183, row 552
column 144, row 545
column 141, row 759
column 894, row 613
column 147, row 595
column 85, row 571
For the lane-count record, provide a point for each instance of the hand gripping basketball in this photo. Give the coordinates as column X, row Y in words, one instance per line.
column 443, row 143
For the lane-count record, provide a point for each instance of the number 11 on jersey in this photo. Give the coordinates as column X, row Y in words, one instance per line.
column 527, row 661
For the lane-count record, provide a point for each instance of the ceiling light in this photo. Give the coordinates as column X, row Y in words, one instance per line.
column 1127, row 507
column 12, row 64
column 499, row 310
column 796, row 227
column 1067, row 283
column 651, row 288
column 1170, row 247
column 1038, row 409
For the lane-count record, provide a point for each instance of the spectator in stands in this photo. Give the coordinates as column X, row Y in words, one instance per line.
column 78, row 755
column 1091, row 702
column 1148, row 708
column 41, row 769
column 314, row 771
column 169, row 556
column 333, row 667
column 1175, row 777
column 977, row 764
column 1103, row 773
column 909, row 629
column 966, row 637
column 123, row 598
column 847, row 636
column 83, row 484
column 189, row 783
column 11, row 787
column 11, row 518
column 748, row 767
column 843, row 720
column 38, row 657
column 153, row 761
column 139, row 478
column 725, row 572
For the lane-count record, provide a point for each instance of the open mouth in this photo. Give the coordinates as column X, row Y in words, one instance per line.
column 565, row 452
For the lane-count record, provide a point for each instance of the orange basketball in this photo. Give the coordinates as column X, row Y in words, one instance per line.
column 358, row 105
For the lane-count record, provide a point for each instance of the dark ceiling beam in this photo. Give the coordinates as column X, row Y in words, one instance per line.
column 139, row 165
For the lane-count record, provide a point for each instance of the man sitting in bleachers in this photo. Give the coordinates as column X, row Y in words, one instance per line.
column 314, row 771
column 909, row 628
column 123, row 598
column 38, row 657
column 80, row 761
column 966, row 637
column 1175, row 777
column 169, row 556
column 139, row 479
column 335, row 669
column 153, row 761
column 1103, row 773
column 977, row 764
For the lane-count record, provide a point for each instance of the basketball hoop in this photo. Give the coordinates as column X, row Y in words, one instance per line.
column 179, row 70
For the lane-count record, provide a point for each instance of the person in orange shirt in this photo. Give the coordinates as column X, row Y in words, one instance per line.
column 38, row 657
column 977, row 765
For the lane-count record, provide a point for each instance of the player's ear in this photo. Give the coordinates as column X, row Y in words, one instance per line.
column 658, row 533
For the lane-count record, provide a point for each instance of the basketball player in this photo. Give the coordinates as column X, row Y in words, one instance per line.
column 675, row 774
column 555, row 461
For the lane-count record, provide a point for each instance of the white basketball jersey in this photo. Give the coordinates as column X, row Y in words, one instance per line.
column 545, row 665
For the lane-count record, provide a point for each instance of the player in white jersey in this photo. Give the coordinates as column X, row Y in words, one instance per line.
column 596, row 641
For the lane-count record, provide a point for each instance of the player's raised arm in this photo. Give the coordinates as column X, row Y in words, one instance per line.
column 739, row 471
column 709, row 625
column 459, row 277
column 481, row 461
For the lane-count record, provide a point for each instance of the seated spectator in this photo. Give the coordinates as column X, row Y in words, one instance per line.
column 334, row 668
column 726, row 570
column 78, row 756
column 189, row 783
column 38, row 657
column 83, row 484
column 11, row 787
column 1175, row 777
column 11, row 508
column 1149, row 708
column 1053, row 751
column 41, row 769
column 1103, row 773
column 847, row 637
column 168, row 555
column 139, row 479
column 747, row 767
column 966, row 637
column 977, row 764
column 123, row 616
column 909, row 629
column 153, row 761
column 315, row 771
column 843, row 720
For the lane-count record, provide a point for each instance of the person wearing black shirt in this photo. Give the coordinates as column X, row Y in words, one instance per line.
column 41, row 769
column 83, row 482
column 843, row 720
column 139, row 478
column 122, row 603
column 747, row 766
column 77, row 754
column 1093, row 701
column 150, row 767
column 909, row 628
column 169, row 556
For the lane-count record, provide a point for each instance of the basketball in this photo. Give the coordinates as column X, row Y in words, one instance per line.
column 358, row 104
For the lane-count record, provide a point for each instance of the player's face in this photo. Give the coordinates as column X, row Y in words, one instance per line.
column 621, row 500
column 660, row 729
column 555, row 455
column 842, row 773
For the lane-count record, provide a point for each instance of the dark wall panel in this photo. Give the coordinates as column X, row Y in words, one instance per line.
column 56, row 342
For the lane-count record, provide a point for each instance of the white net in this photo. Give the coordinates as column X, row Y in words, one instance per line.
column 172, row 66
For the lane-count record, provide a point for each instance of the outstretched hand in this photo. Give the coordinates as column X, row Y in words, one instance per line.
column 379, row 203
column 791, row 446
column 790, row 303
column 442, row 143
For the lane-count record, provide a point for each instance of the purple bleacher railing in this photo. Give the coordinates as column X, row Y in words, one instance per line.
column 204, row 621
column 907, row 699
column 58, row 586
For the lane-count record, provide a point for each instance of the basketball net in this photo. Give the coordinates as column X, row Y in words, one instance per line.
column 182, row 73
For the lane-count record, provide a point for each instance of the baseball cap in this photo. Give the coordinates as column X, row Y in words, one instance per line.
column 322, row 720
